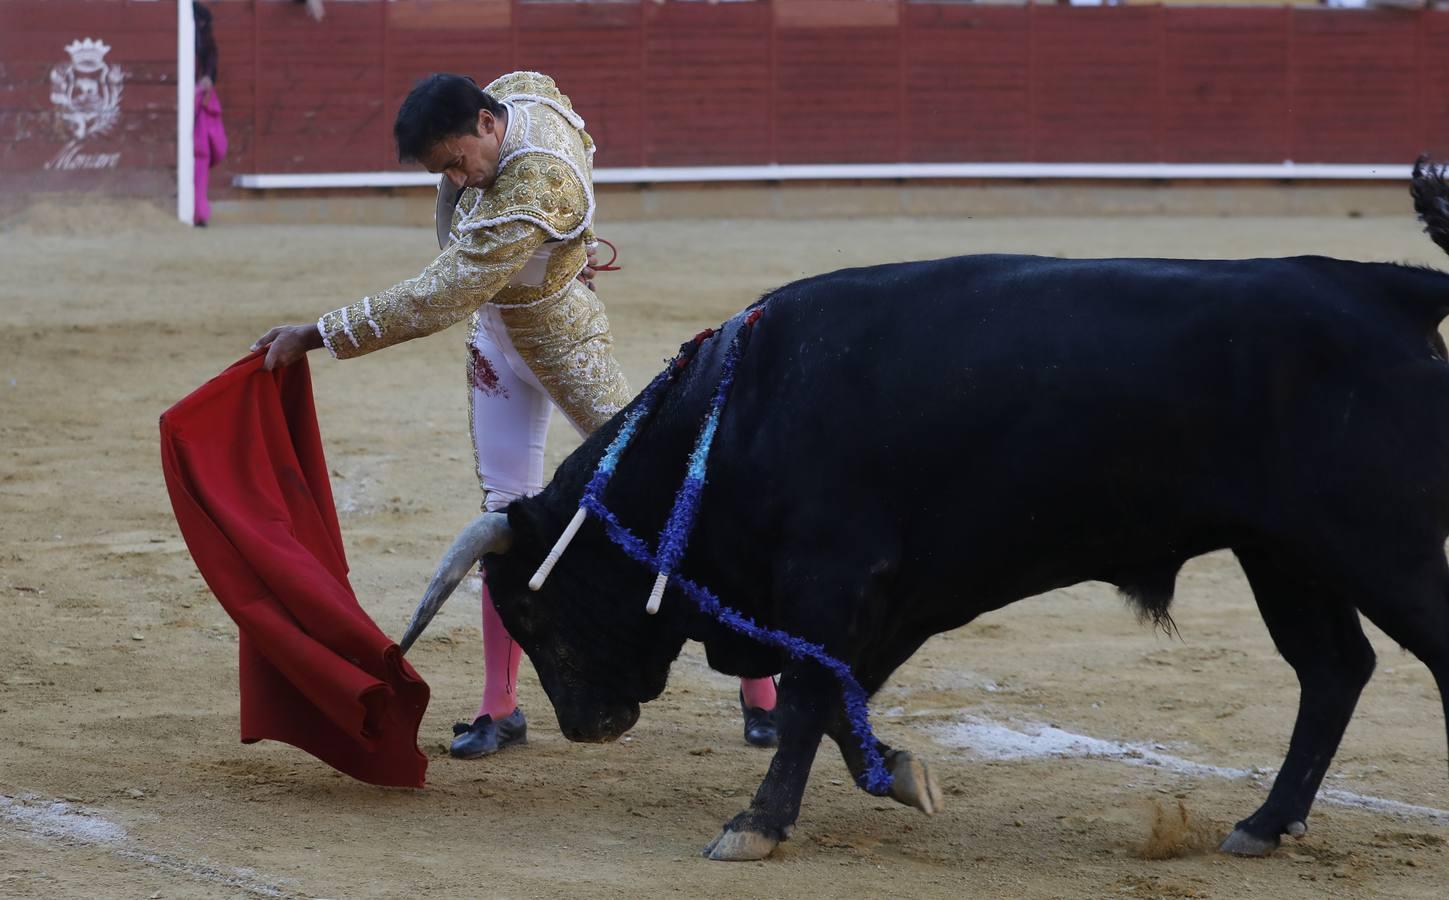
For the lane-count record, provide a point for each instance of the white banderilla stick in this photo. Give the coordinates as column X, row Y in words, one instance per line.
column 551, row 560
column 656, row 596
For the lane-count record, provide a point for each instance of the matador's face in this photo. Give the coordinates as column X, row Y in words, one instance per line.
column 469, row 160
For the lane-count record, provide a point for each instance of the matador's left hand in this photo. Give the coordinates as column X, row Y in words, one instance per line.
column 587, row 275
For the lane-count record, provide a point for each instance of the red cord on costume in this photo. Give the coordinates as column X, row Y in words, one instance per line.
column 609, row 266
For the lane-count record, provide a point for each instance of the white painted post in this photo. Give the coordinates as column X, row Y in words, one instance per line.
column 185, row 111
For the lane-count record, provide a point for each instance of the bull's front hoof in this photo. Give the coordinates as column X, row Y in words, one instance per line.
column 912, row 783
column 740, row 846
column 1240, row 843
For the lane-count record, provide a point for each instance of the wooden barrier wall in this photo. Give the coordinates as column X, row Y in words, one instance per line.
column 93, row 119
column 693, row 83
column 789, row 81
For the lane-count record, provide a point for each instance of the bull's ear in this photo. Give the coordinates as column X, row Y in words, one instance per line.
column 521, row 519
column 528, row 519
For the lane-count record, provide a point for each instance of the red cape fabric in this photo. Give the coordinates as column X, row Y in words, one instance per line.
column 243, row 462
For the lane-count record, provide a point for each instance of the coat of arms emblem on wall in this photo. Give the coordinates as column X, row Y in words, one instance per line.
column 87, row 90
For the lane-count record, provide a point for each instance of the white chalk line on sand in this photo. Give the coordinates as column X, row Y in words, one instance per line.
column 987, row 739
column 76, row 825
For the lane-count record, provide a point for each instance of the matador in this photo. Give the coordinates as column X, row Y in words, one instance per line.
column 515, row 225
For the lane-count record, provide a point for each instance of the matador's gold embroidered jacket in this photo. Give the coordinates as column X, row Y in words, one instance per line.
column 543, row 196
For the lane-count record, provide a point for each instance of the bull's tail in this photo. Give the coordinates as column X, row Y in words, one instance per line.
column 1431, row 199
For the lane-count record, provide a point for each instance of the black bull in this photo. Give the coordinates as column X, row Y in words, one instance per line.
column 909, row 446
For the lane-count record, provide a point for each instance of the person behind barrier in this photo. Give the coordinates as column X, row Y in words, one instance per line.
column 208, row 136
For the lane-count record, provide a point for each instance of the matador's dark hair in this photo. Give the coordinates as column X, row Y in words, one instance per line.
column 439, row 107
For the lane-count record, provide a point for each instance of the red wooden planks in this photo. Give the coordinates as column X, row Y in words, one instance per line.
column 130, row 93
column 792, row 81
column 1352, row 87
column 319, row 89
column 967, row 83
column 595, row 52
column 1431, row 100
column 465, row 37
column 707, row 84
column 1225, row 85
column 837, row 95
column 836, row 13
column 1095, row 83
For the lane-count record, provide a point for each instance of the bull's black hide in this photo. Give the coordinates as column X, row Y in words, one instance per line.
column 909, row 446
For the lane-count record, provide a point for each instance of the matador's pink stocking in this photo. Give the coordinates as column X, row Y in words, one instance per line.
column 501, row 655
column 759, row 693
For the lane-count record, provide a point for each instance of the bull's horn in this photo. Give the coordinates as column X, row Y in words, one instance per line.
column 488, row 533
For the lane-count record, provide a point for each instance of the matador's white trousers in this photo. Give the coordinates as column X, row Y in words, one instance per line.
column 510, row 426
column 510, row 417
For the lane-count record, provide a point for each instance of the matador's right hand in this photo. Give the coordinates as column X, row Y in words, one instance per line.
column 286, row 344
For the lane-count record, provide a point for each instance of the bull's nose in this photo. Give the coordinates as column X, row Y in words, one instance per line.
column 601, row 726
column 624, row 719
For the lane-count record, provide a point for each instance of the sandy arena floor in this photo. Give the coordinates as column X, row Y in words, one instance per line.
column 1061, row 729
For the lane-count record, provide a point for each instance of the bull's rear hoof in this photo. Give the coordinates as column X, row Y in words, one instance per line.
column 740, row 846
column 1240, row 843
column 912, row 783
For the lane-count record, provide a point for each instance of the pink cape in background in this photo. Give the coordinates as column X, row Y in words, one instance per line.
column 208, row 147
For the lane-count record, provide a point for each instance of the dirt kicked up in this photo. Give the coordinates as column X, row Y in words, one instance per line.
column 1082, row 754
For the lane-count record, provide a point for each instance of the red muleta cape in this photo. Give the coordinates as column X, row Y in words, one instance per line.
column 243, row 462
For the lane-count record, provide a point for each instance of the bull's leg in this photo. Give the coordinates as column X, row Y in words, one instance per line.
column 912, row 783
column 807, row 695
column 1417, row 617
column 1320, row 636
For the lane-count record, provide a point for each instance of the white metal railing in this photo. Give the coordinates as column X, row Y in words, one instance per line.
column 883, row 172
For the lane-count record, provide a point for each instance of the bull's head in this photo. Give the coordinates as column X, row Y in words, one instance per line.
column 597, row 654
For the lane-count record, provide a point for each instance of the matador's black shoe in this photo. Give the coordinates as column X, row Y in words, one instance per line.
column 760, row 730
column 486, row 736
